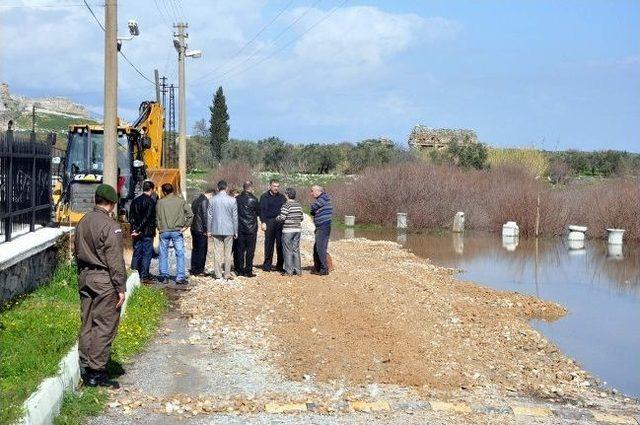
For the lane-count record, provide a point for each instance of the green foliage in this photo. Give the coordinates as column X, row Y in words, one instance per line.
column 35, row 333
column 144, row 312
column 243, row 151
column 78, row 406
column 369, row 153
column 276, row 155
column 599, row 163
column 219, row 125
column 320, row 159
column 49, row 122
column 473, row 155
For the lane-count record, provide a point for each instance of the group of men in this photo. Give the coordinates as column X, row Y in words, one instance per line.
column 231, row 222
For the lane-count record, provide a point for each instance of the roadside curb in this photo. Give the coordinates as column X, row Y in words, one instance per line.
column 44, row 403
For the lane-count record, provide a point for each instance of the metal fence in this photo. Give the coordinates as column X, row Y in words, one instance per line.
column 25, row 183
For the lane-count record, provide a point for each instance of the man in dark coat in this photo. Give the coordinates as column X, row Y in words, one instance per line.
column 142, row 218
column 102, row 284
column 270, row 204
column 248, row 212
column 199, row 239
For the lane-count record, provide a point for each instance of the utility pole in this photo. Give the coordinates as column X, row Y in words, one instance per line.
column 157, row 78
column 181, row 45
column 110, row 171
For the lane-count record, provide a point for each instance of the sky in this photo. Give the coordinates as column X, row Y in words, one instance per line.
column 551, row 74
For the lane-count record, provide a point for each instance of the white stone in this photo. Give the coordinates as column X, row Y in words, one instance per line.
column 402, row 220
column 458, row 222
column 615, row 236
column 510, row 229
column 349, row 220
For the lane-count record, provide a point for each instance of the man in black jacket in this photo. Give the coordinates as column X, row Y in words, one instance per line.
column 199, row 238
column 142, row 218
column 248, row 211
column 270, row 203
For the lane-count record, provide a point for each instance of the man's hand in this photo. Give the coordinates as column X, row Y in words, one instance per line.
column 263, row 226
column 235, row 236
column 120, row 299
column 135, row 233
column 184, row 229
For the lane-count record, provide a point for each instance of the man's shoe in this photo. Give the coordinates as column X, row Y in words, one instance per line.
column 250, row 274
column 228, row 277
column 103, row 380
column 162, row 279
column 182, row 282
column 323, row 272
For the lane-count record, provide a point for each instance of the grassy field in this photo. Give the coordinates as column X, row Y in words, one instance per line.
column 35, row 333
column 50, row 122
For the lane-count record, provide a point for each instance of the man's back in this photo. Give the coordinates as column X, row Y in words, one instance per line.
column 248, row 211
column 173, row 213
column 199, row 207
column 223, row 215
column 142, row 215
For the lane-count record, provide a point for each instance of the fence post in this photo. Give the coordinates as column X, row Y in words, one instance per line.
column 9, row 194
column 32, row 220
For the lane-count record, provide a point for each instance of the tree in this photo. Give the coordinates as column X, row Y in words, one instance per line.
column 242, row 151
column 370, row 153
column 219, row 126
column 198, row 154
column 276, row 154
column 472, row 155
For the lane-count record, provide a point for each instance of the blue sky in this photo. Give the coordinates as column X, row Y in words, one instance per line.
column 552, row 74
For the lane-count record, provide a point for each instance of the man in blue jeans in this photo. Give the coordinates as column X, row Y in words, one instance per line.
column 174, row 217
column 321, row 211
column 142, row 218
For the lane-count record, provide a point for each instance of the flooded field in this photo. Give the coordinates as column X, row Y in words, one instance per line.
column 599, row 287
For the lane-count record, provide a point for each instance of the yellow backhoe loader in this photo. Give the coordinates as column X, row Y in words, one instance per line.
column 139, row 158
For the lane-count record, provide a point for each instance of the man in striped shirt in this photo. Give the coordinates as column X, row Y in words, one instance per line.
column 322, row 212
column 291, row 216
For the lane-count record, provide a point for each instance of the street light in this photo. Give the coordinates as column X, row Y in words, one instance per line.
column 193, row 54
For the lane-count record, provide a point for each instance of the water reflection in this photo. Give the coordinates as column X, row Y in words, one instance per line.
column 599, row 284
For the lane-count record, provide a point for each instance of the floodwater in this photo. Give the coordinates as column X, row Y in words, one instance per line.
column 599, row 287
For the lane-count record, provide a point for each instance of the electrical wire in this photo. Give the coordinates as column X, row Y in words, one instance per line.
column 120, row 51
column 245, row 45
column 321, row 20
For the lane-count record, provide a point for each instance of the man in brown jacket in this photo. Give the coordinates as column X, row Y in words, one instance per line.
column 102, row 280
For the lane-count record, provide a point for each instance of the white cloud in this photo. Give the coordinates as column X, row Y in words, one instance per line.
column 367, row 36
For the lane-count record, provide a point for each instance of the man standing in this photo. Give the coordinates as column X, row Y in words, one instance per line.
column 174, row 217
column 248, row 211
column 322, row 211
column 102, row 283
column 199, row 239
column 142, row 218
column 291, row 216
column 270, row 203
column 223, row 227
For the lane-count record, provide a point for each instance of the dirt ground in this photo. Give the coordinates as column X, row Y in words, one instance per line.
column 385, row 324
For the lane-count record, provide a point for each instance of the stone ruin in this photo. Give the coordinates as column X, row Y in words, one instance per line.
column 423, row 137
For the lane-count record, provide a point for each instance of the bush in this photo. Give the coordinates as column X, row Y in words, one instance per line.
column 234, row 173
column 244, row 151
column 531, row 159
column 431, row 195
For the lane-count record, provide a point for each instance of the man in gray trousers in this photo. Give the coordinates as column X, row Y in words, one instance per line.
column 223, row 228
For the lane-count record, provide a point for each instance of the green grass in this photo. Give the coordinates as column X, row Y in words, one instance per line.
column 142, row 317
column 36, row 331
column 50, row 122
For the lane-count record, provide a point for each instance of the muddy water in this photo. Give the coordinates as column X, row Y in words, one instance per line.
column 601, row 289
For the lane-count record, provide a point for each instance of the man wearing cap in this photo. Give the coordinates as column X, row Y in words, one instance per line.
column 99, row 255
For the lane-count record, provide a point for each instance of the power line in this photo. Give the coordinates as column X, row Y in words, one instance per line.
column 321, row 20
column 248, row 43
column 278, row 36
column 121, row 53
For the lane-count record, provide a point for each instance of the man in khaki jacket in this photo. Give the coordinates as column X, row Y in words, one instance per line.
column 102, row 279
column 174, row 216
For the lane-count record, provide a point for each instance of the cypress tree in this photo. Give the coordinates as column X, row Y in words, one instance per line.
column 219, row 126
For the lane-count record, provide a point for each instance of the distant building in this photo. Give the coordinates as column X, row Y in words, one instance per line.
column 423, row 137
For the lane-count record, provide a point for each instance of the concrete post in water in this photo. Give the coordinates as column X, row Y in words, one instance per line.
column 402, row 237
column 458, row 243
column 614, row 251
column 614, row 236
column 458, row 222
column 349, row 220
column 349, row 233
column 576, row 233
column 402, row 220
column 510, row 230
column 575, row 245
